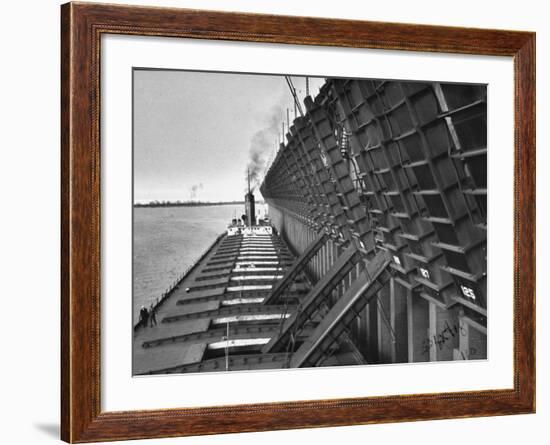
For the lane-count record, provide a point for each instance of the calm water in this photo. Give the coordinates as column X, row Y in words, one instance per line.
column 168, row 240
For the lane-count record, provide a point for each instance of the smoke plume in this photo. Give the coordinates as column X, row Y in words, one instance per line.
column 263, row 144
column 194, row 189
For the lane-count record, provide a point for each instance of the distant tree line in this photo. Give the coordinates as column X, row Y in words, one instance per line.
column 186, row 203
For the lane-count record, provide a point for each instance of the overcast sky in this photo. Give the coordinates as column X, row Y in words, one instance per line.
column 193, row 131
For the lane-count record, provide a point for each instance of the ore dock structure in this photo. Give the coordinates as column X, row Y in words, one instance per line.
column 375, row 250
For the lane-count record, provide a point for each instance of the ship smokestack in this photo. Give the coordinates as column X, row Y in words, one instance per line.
column 249, row 205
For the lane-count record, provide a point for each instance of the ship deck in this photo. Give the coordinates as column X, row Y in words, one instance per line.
column 221, row 295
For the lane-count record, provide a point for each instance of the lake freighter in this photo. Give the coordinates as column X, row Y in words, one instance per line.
column 215, row 318
column 375, row 250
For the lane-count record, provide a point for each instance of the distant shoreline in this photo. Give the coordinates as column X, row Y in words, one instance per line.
column 191, row 204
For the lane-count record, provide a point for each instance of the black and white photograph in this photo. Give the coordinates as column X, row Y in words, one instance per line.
column 290, row 221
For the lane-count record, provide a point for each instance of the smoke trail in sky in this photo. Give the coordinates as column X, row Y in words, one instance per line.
column 263, row 144
column 194, row 190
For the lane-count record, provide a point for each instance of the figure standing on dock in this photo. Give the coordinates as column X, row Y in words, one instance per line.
column 153, row 315
column 144, row 316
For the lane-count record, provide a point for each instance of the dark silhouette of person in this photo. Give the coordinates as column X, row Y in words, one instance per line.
column 144, row 316
column 153, row 315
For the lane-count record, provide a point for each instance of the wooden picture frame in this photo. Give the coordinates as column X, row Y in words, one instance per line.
column 82, row 26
